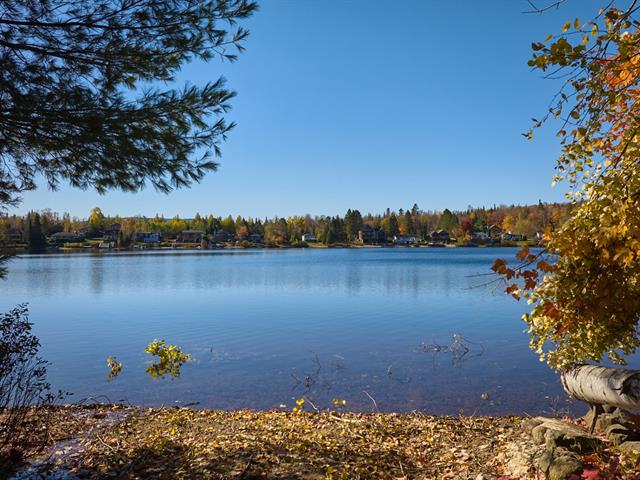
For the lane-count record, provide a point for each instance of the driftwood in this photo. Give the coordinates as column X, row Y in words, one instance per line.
column 604, row 386
column 600, row 386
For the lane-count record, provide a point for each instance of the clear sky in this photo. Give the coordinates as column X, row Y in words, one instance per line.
column 370, row 104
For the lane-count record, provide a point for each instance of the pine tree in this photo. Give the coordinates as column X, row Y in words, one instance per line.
column 74, row 102
column 448, row 221
column 36, row 239
column 391, row 226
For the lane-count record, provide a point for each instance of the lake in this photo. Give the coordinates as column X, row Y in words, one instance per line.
column 373, row 327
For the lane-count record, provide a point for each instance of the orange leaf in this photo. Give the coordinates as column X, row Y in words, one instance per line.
column 523, row 253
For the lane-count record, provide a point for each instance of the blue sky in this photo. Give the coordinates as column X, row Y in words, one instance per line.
column 369, row 104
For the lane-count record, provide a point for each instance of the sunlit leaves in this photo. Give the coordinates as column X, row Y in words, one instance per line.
column 170, row 359
column 299, row 408
column 115, row 367
column 585, row 289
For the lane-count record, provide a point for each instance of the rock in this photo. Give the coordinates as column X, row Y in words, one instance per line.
column 632, row 447
column 525, row 459
column 521, row 458
column 611, row 417
column 531, row 423
column 617, row 433
column 563, row 466
column 543, row 461
column 554, row 449
column 537, row 434
column 557, row 463
column 556, row 433
column 604, row 420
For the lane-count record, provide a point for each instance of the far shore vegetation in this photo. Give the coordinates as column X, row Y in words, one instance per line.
column 45, row 230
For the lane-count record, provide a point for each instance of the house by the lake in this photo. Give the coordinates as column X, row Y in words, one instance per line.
column 440, row 236
column 369, row 235
column 191, row 236
column 255, row 238
column 148, row 237
column 512, row 237
column 222, row 236
column 111, row 233
column 494, row 231
column 480, row 236
column 12, row 235
column 66, row 237
column 406, row 240
column 309, row 237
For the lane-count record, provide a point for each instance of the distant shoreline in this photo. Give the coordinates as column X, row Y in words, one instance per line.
column 198, row 248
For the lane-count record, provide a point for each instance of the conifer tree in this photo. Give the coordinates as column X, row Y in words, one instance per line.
column 82, row 97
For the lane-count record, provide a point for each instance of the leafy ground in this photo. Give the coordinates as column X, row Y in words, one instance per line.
column 108, row 442
column 184, row 443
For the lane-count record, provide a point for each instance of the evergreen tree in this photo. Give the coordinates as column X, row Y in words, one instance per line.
column 26, row 231
column 350, row 230
column 74, row 106
column 408, row 223
column 391, row 227
column 356, row 222
column 36, row 239
column 329, row 236
column 448, row 221
column 228, row 224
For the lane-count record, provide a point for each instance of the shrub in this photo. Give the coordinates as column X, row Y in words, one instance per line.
column 24, row 391
column 170, row 359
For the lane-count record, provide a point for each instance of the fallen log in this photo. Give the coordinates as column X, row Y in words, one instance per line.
column 600, row 386
column 603, row 385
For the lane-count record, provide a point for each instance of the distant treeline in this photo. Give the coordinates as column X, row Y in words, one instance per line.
column 528, row 221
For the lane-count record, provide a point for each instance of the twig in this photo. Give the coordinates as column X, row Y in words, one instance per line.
column 375, row 404
column 311, row 403
column 246, row 468
column 345, row 420
column 105, row 443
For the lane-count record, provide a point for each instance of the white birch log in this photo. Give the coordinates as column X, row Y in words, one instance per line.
column 603, row 385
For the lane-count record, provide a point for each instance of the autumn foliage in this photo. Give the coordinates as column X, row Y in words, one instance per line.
column 585, row 287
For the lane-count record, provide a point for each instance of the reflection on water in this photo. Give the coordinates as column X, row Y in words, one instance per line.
column 265, row 327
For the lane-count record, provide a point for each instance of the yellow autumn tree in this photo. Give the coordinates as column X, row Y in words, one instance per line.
column 585, row 287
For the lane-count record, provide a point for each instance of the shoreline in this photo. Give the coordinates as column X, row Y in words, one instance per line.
column 195, row 247
column 100, row 441
column 117, row 441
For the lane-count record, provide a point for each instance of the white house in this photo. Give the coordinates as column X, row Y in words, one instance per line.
column 405, row 239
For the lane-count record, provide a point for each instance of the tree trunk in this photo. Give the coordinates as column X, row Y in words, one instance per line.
column 603, row 386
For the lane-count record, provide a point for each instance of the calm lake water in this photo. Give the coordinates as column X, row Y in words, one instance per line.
column 265, row 327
